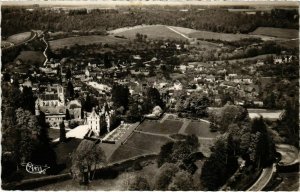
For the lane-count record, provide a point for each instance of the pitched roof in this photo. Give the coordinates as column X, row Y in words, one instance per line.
column 58, row 110
column 47, row 97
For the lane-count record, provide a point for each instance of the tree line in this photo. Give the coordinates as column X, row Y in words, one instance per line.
column 17, row 20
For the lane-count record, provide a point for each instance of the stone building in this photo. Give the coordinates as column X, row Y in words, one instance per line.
column 52, row 104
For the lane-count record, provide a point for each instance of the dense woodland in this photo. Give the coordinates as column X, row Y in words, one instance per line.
column 15, row 20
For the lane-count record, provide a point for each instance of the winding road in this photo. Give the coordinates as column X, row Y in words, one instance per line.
column 264, row 178
column 44, row 53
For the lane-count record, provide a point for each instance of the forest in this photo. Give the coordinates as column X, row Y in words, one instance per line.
column 18, row 19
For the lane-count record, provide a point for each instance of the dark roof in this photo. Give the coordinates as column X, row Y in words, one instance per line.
column 47, row 97
column 59, row 110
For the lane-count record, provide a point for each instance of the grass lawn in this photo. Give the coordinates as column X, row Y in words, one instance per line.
column 218, row 36
column 138, row 144
column 152, row 32
column 5, row 44
column 167, row 127
column 19, row 38
column 31, row 57
column 277, row 32
column 64, row 150
column 200, row 129
column 85, row 40
column 114, row 184
column 54, row 133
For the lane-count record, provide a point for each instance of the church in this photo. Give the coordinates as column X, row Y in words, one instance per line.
column 52, row 104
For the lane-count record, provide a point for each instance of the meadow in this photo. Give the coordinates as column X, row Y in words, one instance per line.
column 85, row 40
column 19, row 38
column 138, row 144
column 31, row 57
column 166, row 127
column 207, row 35
column 277, row 32
column 152, row 32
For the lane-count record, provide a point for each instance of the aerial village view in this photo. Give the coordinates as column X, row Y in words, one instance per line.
column 148, row 96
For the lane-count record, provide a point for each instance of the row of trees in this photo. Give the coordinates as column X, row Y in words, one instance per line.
column 176, row 166
column 24, row 136
column 249, row 140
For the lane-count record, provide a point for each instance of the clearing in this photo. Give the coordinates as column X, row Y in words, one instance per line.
column 19, row 38
column 166, row 127
column 152, row 32
column 31, row 57
column 138, row 144
column 277, row 32
column 200, row 129
column 207, row 35
column 85, row 40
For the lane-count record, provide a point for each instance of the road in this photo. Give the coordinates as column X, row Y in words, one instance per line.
column 263, row 179
column 44, row 53
column 181, row 34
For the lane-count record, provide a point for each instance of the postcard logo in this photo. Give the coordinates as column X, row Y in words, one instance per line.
column 35, row 169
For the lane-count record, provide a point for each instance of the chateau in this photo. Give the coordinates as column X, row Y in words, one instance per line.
column 97, row 119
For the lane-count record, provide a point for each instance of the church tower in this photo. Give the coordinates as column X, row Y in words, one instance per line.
column 60, row 94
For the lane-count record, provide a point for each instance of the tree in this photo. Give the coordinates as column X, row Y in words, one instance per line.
column 182, row 181
column 153, row 98
column 68, row 74
column 164, row 176
column 62, row 132
column 165, row 153
column 229, row 114
column 87, row 104
column 68, row 115
column 70, row 90
column 134, row 114
column 139, row 184
column 120, row 96
column 28, row 99
column 107, row 61
column 27, row 129
column 88, row 155
column 219, row 166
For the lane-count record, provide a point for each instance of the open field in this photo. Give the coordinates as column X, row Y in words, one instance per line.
column 184, row 30
column 19, row 38
column 152, row 32
column 6, row 44
column 290, row 43
column 166, row 127
column 218, row 36
column 200, row 129
column 84, row 40
column 277, row 32
column 138, row 144
column 31, row 57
